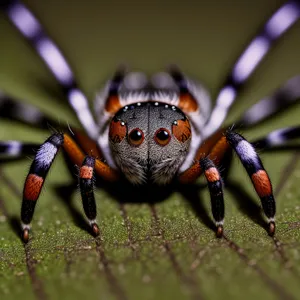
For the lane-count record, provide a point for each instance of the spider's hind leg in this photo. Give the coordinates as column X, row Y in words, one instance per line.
column 16, row 149
column 257, row 174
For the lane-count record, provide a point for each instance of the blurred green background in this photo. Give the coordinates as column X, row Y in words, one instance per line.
column 165, row 252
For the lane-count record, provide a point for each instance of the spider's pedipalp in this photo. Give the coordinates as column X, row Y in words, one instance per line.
column 257, row 174
column 215, row 186
column 86, row 184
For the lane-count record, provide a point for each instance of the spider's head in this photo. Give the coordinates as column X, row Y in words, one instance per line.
column 149, row 141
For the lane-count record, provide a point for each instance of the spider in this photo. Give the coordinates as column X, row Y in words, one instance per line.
column 151, row 131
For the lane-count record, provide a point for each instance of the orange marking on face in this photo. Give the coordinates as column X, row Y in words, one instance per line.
column 262, row 183
column 86, row 172
column 113, row 104
column 33, row 186
column 187, row 103
column 182, row 131
column 212, row 174
column 117, row 131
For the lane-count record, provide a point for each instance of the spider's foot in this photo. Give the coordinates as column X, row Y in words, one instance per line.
column 95, row 229
column 219, row 231
column 25, row 232
column 25, row 236
column 271, row 229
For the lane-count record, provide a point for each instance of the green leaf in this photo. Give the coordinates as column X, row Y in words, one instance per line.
column 164, row 251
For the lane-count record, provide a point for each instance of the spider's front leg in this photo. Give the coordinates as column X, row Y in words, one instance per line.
column 40, row 167
column 258, row 175
column 250, row 161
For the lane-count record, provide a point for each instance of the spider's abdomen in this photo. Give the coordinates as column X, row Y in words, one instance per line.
column 149, row 141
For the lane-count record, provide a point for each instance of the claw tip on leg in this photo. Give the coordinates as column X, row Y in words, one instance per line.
column 25, row 235
column 95, row 229
column 272, row 228
column 219, row 231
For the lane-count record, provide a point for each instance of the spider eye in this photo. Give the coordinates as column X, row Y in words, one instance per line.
column 162, row 136
column 136, row 137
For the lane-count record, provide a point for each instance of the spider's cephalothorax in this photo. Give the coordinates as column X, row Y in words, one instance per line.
column 153, row 130
column 149, row 141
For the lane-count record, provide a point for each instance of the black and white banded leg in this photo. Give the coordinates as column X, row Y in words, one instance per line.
column 16, row 149
column 36, row 178
column 279, row 137
column 284, row 18
column 259, row 177
column 31, row 29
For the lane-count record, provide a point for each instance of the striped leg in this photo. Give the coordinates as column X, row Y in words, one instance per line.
column 257, row 174
column 41, row 166
column 279, row 137
column 31, row 29
column 15, row 109
column 16, row 149
column 288, row 94
column 250, row 59
column 86, row 184
column 215, row 186
column 36, row 178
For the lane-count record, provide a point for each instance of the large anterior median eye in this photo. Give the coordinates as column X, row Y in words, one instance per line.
column 162, row 136
column 136, row 137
